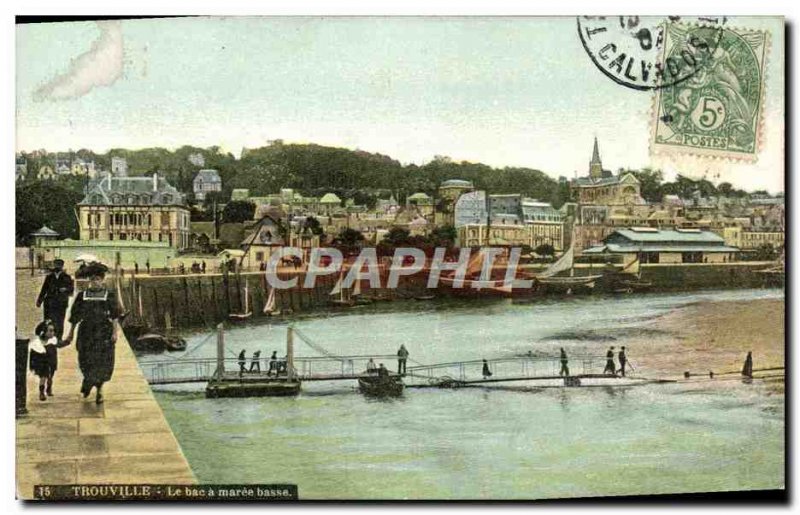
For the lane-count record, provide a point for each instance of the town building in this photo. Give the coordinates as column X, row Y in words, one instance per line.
column 119, row 166
column 449, row 193
column 546, row 223
column 80, row 167
column 747, row 239
column 45, row 173
column 134, row 208
column 665, row 246
column 205, row 182
column 422, row 202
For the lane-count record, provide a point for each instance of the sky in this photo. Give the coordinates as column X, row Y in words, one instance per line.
column 505, row 91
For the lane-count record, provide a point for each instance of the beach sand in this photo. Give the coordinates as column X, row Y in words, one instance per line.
column 709, row 336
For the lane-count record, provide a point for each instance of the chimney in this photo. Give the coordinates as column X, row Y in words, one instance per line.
column 155, row 181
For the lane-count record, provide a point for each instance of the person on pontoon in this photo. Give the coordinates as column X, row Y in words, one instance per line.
column 610, row 367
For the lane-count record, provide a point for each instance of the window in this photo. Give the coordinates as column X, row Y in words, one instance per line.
column 259, row 256
column 649, row 257
column 692, row 257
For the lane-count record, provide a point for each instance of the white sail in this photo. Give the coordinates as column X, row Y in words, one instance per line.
column 269, row 307
column 564, row 263
column 356, row 288
column 337, row 288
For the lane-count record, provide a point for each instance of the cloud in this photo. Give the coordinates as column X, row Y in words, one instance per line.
column 100, row 66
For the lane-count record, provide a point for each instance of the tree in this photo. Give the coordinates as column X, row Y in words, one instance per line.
column 349, row 237
column 650, row 183
column 47, row 203
column 238, row 211
column 545, row 249
column 397, row 236
column 445, row 235
column 313, row 226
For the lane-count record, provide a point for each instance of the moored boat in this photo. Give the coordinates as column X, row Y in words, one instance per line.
column 380, row 385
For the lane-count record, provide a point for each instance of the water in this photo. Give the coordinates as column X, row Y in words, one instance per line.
column 484, row 443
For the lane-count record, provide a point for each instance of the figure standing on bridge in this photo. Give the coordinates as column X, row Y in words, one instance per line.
column 564, row 363
column 55, row 293
column 273, row 363
column 610, row 367
column 402, row 356
column 486, row 372
column 747, row 369
column 95, row 314
column 623, row 360
column 255, row 365
column 242, row 362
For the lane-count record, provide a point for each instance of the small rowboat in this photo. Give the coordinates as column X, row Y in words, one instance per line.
column 380, row 386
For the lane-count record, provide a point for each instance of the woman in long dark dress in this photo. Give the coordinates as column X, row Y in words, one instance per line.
column 94, row 313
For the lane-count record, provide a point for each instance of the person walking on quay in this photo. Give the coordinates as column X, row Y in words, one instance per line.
column 610, row 368
column 255, row 365
column 402, row 356
column 147, row 265
column 486, row 372
column 242, row 362
column 564, row 364
column 273, row 363
column 58, row 287
column 44, row 356
column 203, row 266
column 623, row 360
column 747, row 369
column 95, row 315
column 135, row 268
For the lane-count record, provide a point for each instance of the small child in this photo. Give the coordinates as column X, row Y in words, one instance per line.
column 44, row 357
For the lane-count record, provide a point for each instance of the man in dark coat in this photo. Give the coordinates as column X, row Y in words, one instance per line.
column 402, row 357
column 255, row 365
column 242, row 362
column 564, row 363
column 623, row 360
column 58, row 287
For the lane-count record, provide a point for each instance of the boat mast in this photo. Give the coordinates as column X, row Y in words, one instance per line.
column 289, row 353
column 220, row 352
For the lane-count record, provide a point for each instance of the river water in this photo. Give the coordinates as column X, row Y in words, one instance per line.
column 483, row 443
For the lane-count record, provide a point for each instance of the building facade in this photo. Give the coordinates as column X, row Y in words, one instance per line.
column 650, row 245
column 205, row 182
column 134, row 208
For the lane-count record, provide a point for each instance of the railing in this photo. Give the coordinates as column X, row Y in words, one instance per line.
column 305, row 368
column 503, row 368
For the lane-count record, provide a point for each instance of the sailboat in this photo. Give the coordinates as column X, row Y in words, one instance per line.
column 356, row 294
column 345, row 299
column 247, row 311
column 271, row 304
column 566, row 284
column 629, row 279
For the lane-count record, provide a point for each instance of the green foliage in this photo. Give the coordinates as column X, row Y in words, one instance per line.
column 349, row 237
column 313, row 226
column 238, row 211
column 545, row 249
column 444, row 236
column 397, row 236
column 50, row 203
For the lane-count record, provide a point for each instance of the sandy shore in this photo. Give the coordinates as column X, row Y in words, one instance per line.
column 710, row 336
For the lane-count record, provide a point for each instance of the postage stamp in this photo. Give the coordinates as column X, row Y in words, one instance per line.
column 716, row 110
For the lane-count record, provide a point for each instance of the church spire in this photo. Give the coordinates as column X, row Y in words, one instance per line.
column 595, row 165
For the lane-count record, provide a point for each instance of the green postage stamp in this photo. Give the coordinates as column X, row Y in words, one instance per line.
column 716, row 109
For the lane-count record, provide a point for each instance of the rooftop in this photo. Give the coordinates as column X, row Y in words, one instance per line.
column 207, row 175
column 110, row 190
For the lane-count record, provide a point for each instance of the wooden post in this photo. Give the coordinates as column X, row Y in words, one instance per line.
column 289, row 353
column 220, row 351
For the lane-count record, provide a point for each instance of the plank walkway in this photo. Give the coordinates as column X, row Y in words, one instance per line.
column 69, row 440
